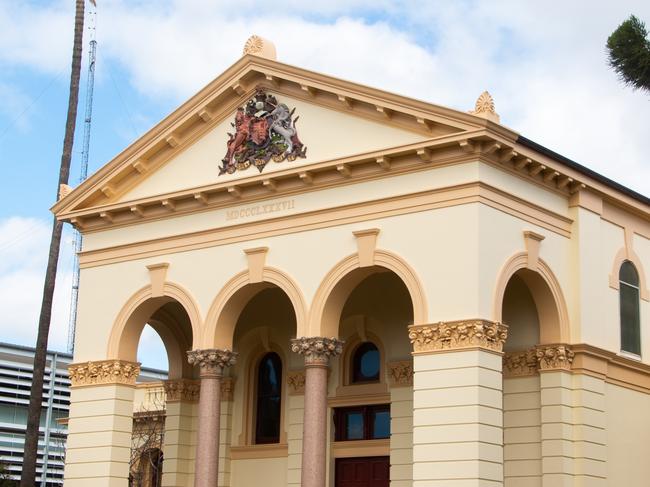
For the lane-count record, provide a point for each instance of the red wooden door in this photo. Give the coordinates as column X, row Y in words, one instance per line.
column 362, row 472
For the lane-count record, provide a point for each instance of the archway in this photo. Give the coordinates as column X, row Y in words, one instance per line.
column 531, row 305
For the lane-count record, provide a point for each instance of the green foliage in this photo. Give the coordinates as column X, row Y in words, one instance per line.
column 629, row 53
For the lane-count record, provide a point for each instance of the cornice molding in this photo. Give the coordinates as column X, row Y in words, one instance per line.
column 458, row 335
column 103, row 372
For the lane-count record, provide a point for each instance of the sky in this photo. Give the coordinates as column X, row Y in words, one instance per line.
column 544, row 63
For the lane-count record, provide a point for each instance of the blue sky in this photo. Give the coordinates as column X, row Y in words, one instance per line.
column 544, row 63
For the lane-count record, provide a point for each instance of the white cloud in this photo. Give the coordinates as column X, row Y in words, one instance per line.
column 24, row 246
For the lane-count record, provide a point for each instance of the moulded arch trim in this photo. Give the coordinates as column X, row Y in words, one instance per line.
column 120, row 345
column 621, row 256
column 228, row 304
column 559, row 332
column 322, row 325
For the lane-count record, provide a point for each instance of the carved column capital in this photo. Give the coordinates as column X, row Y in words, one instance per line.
column 401, row 373
column 554, row 357
column 317, row 350
column 454, row 335
column 516, row 364
column 211, row 362
column 296, row 381
column 104, row 372
column 182, row 390
column 539, row 358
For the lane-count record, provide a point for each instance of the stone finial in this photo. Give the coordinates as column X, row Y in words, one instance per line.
column 457, row 335
column 64, row 190
column 258, row 46
column 211, row 362
column 485, row 108
column 317, row 350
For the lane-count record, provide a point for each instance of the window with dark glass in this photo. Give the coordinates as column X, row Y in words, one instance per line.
column 629, row 308
column 269, row 398
column 365, row 363
column 362, row 423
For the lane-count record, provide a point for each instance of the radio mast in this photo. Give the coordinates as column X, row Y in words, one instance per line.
column 90, row 85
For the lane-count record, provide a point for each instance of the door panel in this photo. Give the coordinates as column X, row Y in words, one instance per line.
column 362, row 472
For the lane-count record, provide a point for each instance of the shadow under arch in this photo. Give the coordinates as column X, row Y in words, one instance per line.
column 546, row 293
column 335, row 288
column 177, row 329
column 229, row 303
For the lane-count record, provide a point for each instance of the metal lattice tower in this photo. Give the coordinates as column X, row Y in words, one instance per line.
column 90, row 85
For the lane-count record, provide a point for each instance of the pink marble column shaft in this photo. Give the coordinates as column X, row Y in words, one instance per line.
column 317, row 352
column 211, row 367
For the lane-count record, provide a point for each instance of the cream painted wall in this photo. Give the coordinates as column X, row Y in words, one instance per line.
column 269, row 472
column 328, row 134
column 628, row 437
column 501, row 237
column 309, row 201
column 443, row 255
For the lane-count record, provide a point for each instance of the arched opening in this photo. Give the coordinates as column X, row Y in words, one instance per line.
column 157, row 332
column 533, row 316
column 264, row 324
column 520, row 314
column 372, row 309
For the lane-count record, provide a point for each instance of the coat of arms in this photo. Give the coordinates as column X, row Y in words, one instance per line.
column 264, row 129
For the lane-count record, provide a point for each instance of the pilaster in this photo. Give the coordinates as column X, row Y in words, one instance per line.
column 179, row 448
column 101, row 423
column 296, row 404
column 401, row 423
column 457, row 404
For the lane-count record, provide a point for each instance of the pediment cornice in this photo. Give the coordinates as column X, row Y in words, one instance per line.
column 222, row 96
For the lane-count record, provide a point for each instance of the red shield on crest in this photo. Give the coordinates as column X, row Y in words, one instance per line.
column 259, row 130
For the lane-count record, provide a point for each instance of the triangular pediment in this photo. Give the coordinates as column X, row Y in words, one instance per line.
column 335, row 120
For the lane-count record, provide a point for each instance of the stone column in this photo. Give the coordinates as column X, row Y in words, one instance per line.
column 211, row 366
column 101, row 423
column 457, row 404
column 181, row 398
column 317, row 352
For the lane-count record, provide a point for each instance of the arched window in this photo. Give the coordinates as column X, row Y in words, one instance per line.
column 365, row 363
column 269, row 399
column 629, row 307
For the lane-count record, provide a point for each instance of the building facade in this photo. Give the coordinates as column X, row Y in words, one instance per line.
column 16, row 371
column 356, row 288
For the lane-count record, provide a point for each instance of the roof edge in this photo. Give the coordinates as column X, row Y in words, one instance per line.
column 531, row 144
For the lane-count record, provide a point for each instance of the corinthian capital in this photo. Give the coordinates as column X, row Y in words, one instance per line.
column 552, row 357
column 104, row 372
column 458, row 334
column 211, row 362
column 317, row 350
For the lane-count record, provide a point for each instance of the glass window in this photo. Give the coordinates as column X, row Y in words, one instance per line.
column 365, row 363
column 269, row 398
column 362, row 423
column 629, row 308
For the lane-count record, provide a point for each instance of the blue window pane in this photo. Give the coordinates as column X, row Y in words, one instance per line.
column 381, row 425
column 370, row 363
column 354, row 426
